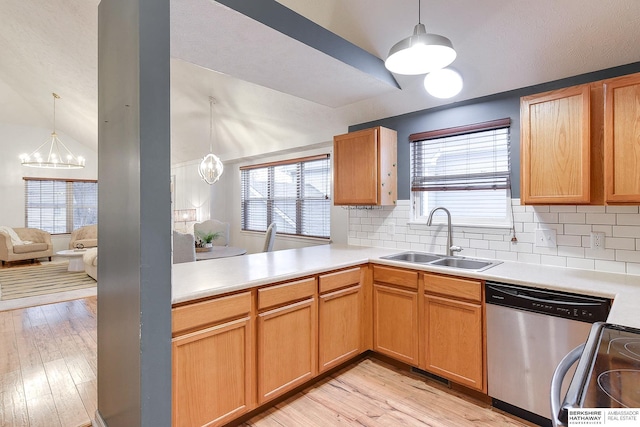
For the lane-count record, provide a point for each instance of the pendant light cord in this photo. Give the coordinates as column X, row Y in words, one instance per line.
column 55, row 96
column 211, row 101
column 419, row 13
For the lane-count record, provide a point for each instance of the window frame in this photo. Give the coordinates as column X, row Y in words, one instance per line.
column 272, row 199
column 69, row 205
column 477, row 222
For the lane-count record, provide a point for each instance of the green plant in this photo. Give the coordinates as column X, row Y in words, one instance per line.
column 205, row 237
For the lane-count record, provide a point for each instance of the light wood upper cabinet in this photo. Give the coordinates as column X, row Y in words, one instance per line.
column 395, row 314
column 286, row 337
column 364, row 167
column 212, row 355
column 622, row 139
column 555, row 147
column 453, row 323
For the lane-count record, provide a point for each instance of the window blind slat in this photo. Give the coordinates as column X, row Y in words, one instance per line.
column 293, row 194
column 60, row 206
column 466, row 172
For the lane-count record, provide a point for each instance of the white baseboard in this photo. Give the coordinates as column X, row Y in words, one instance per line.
column 98, row 421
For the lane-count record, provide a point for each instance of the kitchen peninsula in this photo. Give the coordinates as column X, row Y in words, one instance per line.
column 268, row 323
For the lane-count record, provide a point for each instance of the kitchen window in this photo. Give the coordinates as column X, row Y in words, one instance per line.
column 464, row 169
column 60, row 206
column 294, row 194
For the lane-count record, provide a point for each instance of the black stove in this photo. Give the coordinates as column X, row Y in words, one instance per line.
column 608, row 371
column 614, row 377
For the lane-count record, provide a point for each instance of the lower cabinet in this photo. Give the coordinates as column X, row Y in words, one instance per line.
column 234, row 353
column 340, row 316
column 395, row 314
column 287, row 337
column 212, row 374
column 454, row 338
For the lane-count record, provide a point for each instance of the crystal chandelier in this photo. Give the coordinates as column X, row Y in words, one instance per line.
column 52, row 154
column 211, row 167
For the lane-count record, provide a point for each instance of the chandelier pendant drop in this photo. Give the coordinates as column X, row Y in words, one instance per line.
column 211, row 166
column 52, row 154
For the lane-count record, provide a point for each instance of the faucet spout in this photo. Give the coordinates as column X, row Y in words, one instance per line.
column 450, row 247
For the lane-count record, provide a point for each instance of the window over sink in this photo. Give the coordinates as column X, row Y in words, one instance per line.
column 295, row 194
column 465, row 169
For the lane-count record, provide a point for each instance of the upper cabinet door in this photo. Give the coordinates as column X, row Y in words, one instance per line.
column 364, row 167
column 622, row 139
column 555, row 147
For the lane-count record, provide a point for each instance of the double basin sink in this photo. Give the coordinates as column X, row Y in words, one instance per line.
column 463, row 263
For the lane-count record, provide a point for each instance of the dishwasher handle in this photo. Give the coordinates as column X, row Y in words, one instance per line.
column 556, row 382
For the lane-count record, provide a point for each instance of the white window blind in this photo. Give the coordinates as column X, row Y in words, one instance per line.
column 60, row 206
column 294, row 194
column 466, row 169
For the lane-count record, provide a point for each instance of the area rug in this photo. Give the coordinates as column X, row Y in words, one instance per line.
column 26, row 282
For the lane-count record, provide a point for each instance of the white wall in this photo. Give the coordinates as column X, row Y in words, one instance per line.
column 573, row 225
column 190, row 192
column 226, row 205
column 19, row 139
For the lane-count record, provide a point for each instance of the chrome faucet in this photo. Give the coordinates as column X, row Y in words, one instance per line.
column 450, row 248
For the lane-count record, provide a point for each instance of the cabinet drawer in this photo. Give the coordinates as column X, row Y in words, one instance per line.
column 339, row 279
column 205, row 313
column 453, row 286
column 394, row 276
column 287, row 292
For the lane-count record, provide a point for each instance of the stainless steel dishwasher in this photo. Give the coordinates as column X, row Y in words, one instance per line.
column 529, row 331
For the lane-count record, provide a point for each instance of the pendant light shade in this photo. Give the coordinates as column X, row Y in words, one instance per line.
column 52, row 153
column 211, row 167
column 420, row 53
column 444, row 83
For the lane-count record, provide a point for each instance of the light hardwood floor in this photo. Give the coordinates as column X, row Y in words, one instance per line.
column 372, row 393
column 48, row 365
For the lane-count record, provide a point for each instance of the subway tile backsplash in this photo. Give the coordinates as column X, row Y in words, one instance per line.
column 389, row 227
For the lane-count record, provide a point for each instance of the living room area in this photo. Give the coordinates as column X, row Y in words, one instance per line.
column 48, row 221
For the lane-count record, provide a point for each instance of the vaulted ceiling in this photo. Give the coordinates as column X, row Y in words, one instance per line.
column 276, row 93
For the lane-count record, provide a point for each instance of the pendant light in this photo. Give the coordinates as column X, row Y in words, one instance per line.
column 211, row 167
column 444, row 83
column 52, row 154
column 420, row 53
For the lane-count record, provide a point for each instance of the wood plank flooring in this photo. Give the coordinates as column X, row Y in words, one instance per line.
column 48, row 365
column 372, row 393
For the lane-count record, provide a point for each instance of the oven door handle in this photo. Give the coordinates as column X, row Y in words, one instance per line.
column 556, row 382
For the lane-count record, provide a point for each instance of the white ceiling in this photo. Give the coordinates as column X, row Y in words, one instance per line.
column 274, row 93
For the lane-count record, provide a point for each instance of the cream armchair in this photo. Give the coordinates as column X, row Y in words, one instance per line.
column 40, row 246
column 87, row 236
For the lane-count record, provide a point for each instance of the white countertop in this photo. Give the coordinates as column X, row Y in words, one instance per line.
column 202, row 279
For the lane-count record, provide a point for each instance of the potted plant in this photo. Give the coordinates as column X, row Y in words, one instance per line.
column 205, row 240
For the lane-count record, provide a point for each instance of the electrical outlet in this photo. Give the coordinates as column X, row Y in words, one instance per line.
column 546, row 238
column 597, row 240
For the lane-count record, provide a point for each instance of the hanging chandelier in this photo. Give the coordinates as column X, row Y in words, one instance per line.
column 52, row 154
column 211, row 167
column 420, row 53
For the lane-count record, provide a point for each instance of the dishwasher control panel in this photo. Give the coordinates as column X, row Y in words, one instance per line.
column 560, row 304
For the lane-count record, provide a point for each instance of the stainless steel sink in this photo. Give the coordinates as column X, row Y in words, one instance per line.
column 465, row 263
column 417, row 257
column 462, row 263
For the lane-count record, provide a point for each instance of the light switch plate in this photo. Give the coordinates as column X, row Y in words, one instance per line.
column 546, row 238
